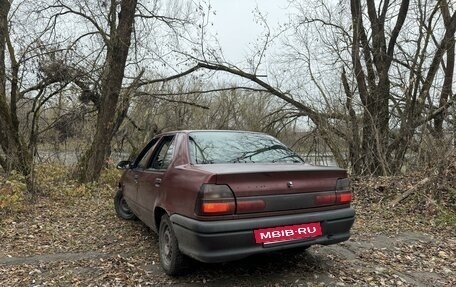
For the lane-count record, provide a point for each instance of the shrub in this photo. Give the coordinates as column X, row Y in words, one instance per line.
column 12, row 191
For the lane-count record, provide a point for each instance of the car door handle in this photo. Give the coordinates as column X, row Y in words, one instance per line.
column 158, row 182
column 136, row 178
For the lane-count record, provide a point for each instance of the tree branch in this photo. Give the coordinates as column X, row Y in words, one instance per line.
column 80, row 14
column 172, row 100
column 210, row 91
column 397, row 28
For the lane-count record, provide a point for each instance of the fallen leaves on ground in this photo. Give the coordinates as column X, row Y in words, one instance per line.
column 63, row 240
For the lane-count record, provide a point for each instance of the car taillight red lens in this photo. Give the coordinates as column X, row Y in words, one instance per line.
column 325, row 199
column 343, row 193
column 217, row 207
column 245, row 206
column 214, row 199
column 344, row 197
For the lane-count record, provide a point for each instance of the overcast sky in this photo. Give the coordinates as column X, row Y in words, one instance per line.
column 235, row 25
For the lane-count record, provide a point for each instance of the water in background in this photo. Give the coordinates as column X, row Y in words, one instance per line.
column 71, row 157
column 326, row 159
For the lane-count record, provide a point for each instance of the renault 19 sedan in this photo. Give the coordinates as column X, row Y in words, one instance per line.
column 217, row 196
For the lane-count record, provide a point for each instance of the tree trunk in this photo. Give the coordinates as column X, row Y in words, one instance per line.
column 447, row 89
column 354, row 142
column 371, row 59
column 418, row 103
column 17, row 156
column 91, row 164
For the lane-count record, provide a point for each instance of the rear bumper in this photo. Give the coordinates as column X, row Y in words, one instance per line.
column 219, row 241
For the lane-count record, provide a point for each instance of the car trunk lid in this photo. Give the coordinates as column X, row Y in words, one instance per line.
column 278, row 187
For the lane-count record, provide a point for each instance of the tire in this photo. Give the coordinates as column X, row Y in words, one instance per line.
column 121, row 206
column 171, row 258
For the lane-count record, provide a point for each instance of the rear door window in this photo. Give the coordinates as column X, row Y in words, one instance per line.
column 164, row 154
column 144, row 158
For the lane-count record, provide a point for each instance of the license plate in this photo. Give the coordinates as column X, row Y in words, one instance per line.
column 285, row 233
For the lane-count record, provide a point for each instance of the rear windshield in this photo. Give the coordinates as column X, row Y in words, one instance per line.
column 238, row 147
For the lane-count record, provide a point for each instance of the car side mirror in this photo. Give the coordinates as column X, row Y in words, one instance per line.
column 123, row 164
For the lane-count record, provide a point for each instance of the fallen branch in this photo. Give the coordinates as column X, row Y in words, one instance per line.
column 408, row 192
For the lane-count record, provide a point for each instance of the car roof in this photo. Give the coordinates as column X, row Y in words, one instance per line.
column 209, row 130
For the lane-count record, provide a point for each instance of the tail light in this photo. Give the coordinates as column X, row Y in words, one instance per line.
column 247, row 206
column 342, row 184
column 342, row 195
column 343, row 192
column 215, row 199
column 325, row 199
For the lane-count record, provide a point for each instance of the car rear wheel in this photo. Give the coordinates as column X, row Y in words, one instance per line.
column 121, row 206
column 171, row 258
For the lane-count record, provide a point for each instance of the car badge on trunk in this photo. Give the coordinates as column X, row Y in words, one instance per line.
column 290, row 184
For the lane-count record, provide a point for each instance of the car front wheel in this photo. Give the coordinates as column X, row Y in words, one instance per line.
column 121, row 206
column 171, row 258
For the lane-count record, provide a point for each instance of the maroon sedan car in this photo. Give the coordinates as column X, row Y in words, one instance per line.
column 223, row 195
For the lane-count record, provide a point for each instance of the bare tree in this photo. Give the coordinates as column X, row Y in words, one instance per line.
column 190, row 103
column 123, row 41
column 26, row 93
column 17, row 155
column 448, row 67
column 393, row 77
column 118, row 44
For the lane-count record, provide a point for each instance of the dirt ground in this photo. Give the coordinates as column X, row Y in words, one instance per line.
column 81, row 242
